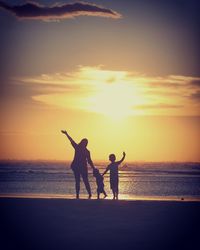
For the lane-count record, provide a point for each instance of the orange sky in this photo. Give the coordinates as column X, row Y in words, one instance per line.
column 151, row 118
column 127, row 80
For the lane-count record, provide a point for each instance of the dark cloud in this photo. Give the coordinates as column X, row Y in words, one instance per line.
column 164, row 83
column 158, row 106
column 195, row 83
column 16, row 91
column 195, row 96
column 31, row 10
column 162, row 92
column 180, row 82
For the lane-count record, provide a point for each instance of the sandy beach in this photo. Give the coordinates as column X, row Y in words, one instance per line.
column 39, row 223
column 100, row 99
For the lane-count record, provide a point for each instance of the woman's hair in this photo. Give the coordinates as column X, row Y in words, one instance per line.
column 84, row 142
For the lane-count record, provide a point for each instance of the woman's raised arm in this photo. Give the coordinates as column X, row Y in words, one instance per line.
column 74, row 144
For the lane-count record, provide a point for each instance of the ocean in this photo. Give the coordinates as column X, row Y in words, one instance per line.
column 138, row 180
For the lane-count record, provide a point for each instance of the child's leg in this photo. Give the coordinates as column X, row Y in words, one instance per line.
column 104, row 192
column 117, row 192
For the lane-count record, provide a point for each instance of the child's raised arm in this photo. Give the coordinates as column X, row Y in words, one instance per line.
column 123, row 157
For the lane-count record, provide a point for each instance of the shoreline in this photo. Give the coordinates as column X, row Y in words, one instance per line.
column 84, row 197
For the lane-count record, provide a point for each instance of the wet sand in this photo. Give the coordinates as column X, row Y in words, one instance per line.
column 105, row 224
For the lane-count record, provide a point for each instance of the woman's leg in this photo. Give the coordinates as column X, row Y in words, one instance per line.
column 116, row 195
column 84, row 175
column 98, row 194
column 113, row 194
column 77, row 183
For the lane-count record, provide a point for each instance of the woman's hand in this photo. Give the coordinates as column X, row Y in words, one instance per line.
column 64, row 132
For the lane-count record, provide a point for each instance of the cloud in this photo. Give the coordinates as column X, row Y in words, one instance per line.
column 195, row 96
column 172, row 82
column 158, row 106
column 99, row 90
column 31, row 10
column 195, row 83
column 165, row 84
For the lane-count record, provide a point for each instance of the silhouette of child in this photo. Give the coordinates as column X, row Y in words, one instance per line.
column 100, row 184
column 114, row 178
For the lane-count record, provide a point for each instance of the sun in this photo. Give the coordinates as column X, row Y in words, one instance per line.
column 114, row 100
column 114, row 93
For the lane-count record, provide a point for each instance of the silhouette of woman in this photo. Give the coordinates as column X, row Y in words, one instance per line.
column 79, row 163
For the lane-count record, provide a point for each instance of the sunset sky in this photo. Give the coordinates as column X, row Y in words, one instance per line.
column 123, row 73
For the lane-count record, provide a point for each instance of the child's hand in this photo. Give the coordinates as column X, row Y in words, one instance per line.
column 124, row 154
column 64, row 132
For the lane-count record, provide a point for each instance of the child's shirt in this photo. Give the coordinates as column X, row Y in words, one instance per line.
column 99, row 179
column 113, row 167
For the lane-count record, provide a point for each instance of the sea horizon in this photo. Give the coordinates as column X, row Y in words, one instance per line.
column 137, row 180
column 98, row 161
